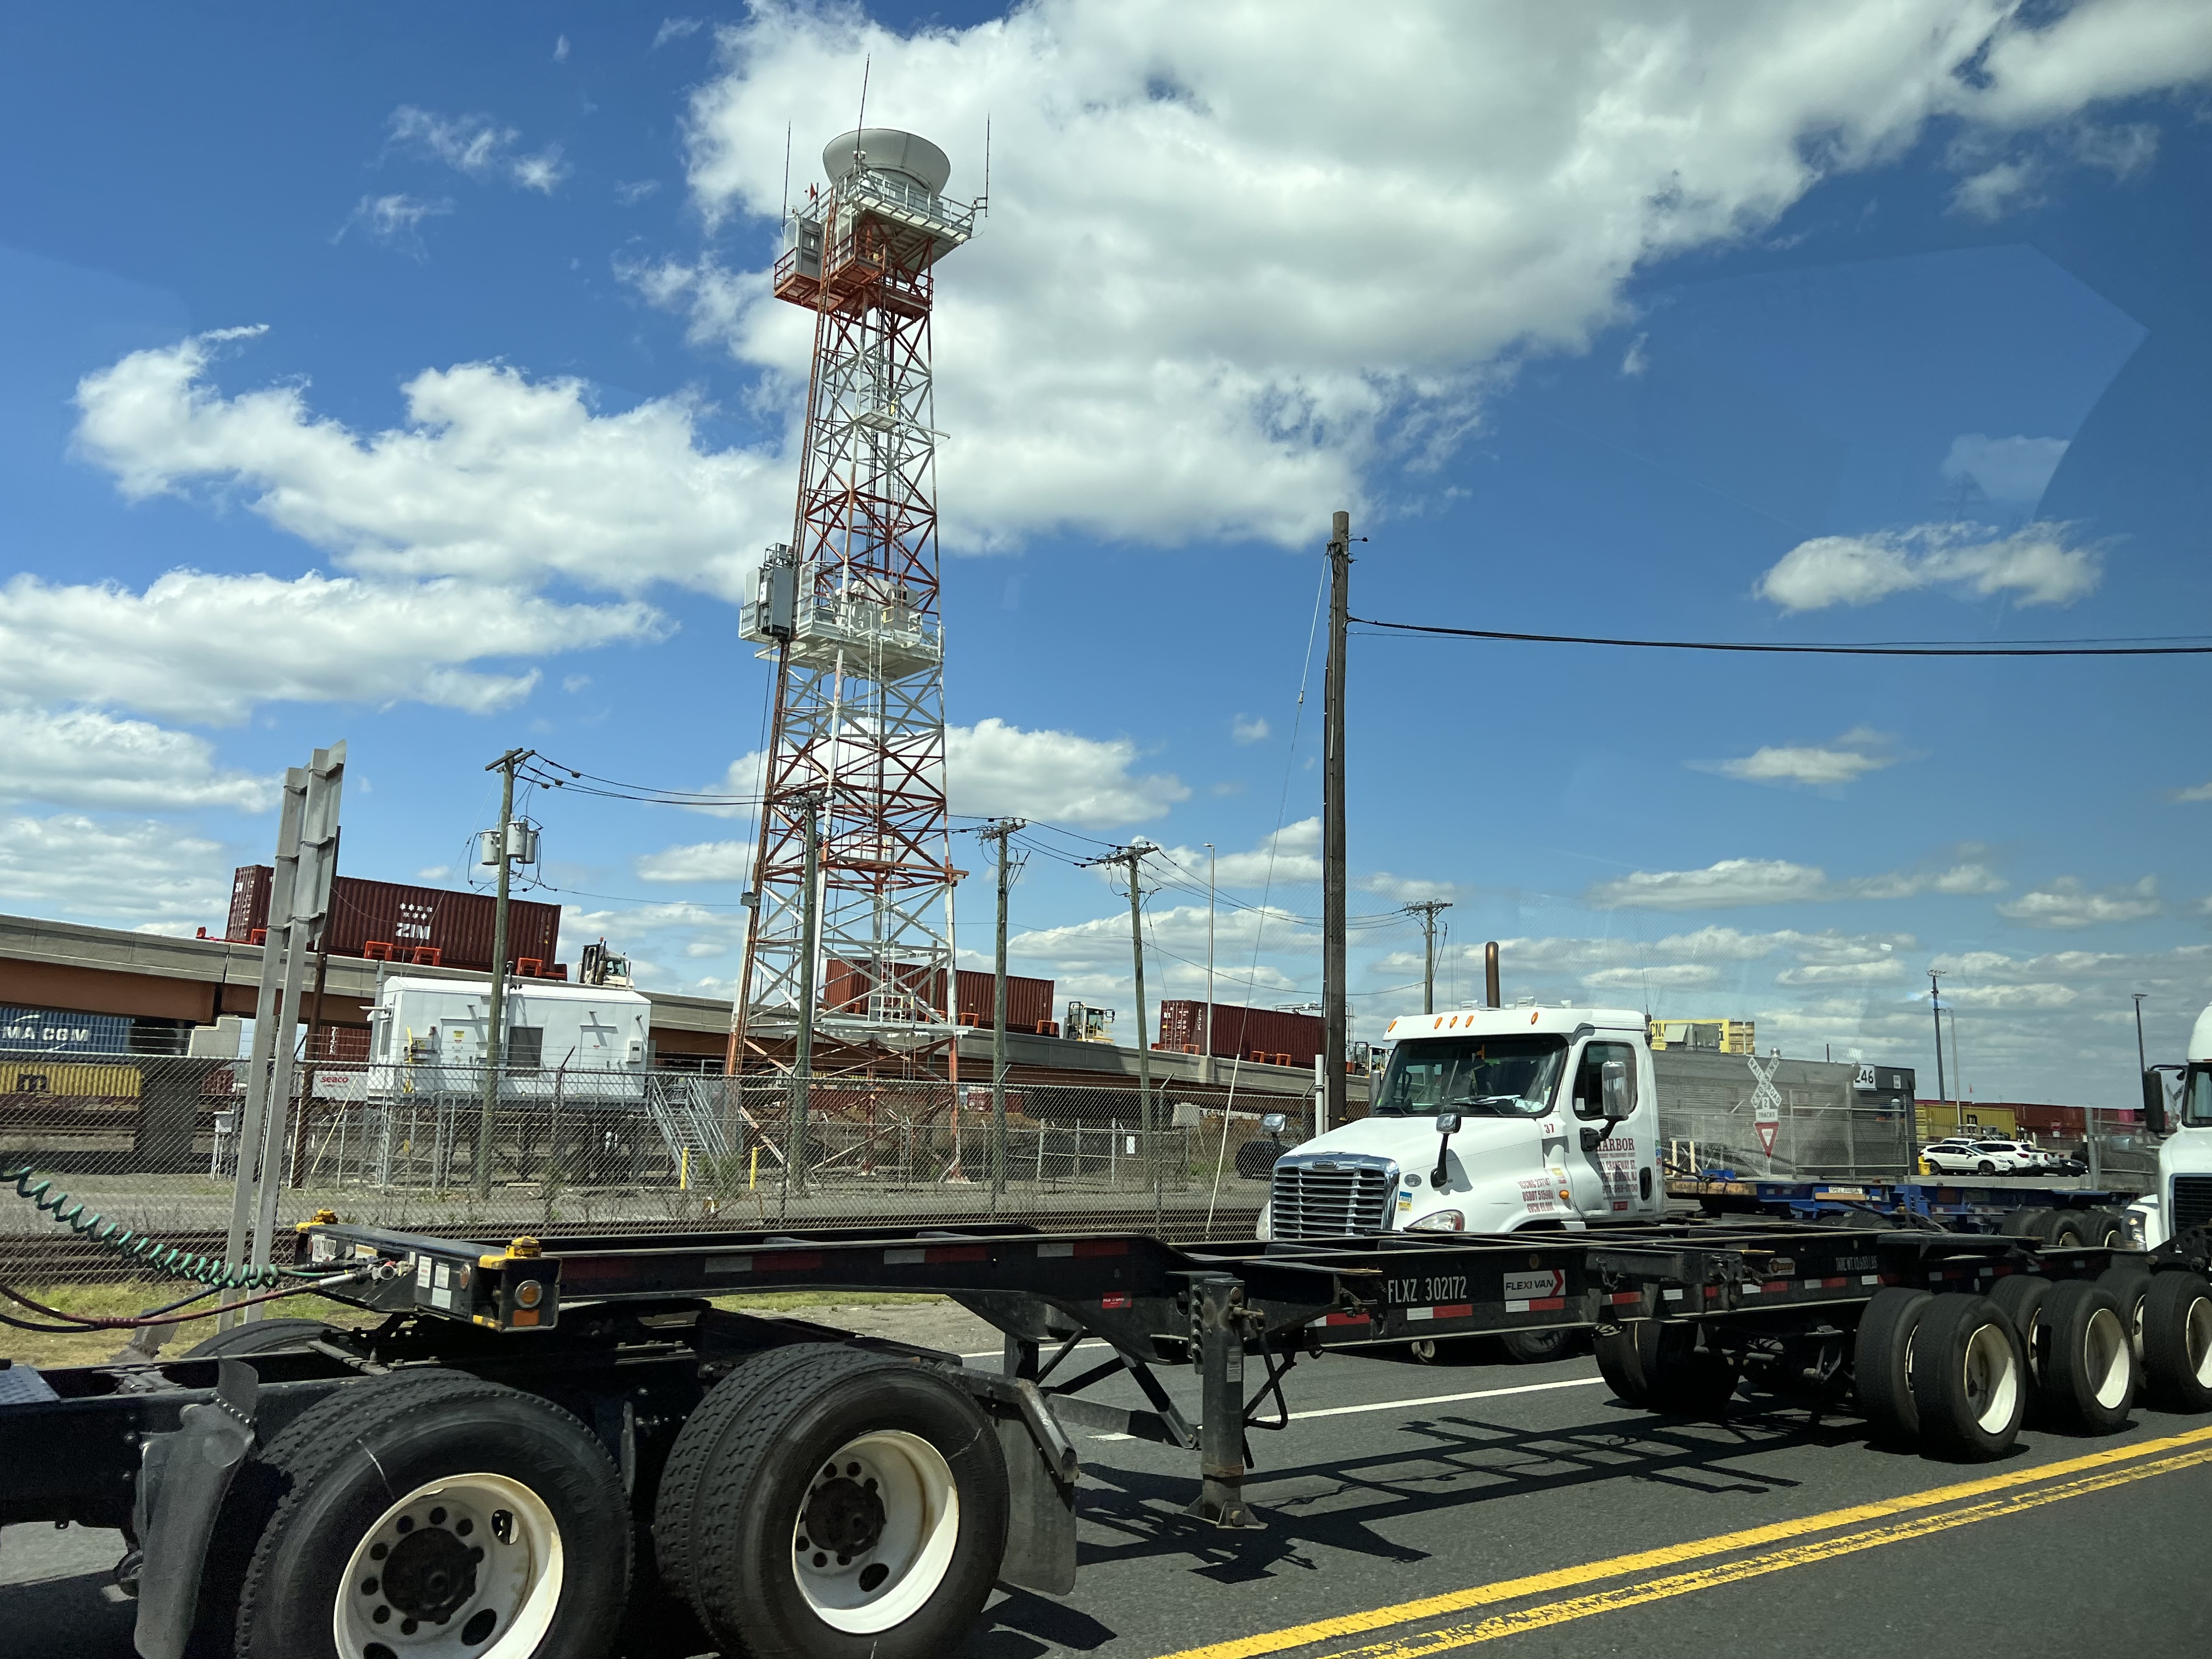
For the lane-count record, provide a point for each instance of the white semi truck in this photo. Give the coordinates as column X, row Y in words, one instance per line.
column 1488, row 1120
column 2180, row 1210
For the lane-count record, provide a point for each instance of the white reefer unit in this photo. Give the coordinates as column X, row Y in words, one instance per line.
column 580, row 1043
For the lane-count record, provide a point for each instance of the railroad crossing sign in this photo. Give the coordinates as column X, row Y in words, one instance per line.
column 1766, row 1100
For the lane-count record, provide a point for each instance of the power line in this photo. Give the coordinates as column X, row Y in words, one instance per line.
column 1912, row 649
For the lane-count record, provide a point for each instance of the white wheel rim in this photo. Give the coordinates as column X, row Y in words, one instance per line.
column 2196, row 1335
column 470, row 1564
column 890, row 1498
column 2105, row 1358
column 1992, row 1379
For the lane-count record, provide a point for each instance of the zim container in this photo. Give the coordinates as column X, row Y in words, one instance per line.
column 457, row 926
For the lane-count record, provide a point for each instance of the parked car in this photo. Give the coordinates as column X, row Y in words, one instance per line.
column 1962, row 1157
column 2024, row 1159
column 1948, row 1156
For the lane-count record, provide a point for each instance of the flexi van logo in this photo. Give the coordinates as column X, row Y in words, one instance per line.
column 1551, row 1281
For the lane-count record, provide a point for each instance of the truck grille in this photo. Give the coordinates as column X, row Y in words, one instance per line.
column 1337, row 1197
column 2192, row 1203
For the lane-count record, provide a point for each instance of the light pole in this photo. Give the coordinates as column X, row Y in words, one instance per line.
column 1936, row 1009
column 1212, row 862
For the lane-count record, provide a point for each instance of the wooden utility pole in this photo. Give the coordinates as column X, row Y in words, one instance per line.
column 1002, row 831
column 496, row 1019
column 1426, row 910
column 1333, row 865
column 1130, row 859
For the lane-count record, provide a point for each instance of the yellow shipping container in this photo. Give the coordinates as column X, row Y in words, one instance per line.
column 76, row 1081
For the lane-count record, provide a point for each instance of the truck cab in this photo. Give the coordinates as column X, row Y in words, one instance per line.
column 2183, row 1199
column 1487, row 1120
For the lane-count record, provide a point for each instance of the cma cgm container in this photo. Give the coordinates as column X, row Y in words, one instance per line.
column 1268, row 1032
column 457, row 926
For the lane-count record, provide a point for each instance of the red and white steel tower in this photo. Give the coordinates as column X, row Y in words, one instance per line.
column 848, row 612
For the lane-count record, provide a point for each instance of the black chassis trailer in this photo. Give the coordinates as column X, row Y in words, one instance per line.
column 680, row 1401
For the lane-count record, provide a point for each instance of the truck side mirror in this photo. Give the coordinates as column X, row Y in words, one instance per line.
column 1447, row 1127
column 2153, row 1102
column 1618, row 1091
column 1275, row 1123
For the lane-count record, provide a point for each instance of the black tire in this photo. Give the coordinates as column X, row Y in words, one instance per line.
column 326, row 1487
column 2085, row 1377
column 2021, row 1223
column 1970, row 1379
column 1537, row 1347
column 749, row 1467
column 1660, row 1367
column 2069, row 1230
column 1882, row 1364
column 2020, row 1297
column 2177, row 1328
column 2104, row 1229
column 1985, row 1168
column 2129, row 1284
column 262, row 1336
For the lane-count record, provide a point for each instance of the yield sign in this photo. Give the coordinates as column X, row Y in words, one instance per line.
column 1767, row 1128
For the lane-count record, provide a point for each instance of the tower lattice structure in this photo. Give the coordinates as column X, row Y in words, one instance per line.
column 849, row 613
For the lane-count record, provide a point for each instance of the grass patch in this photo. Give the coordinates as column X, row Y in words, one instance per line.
column 97, row 1347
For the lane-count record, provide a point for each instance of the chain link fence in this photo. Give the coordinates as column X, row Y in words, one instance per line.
column 152, row 1143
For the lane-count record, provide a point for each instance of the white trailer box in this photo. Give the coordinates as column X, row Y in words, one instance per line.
column 580, row 1043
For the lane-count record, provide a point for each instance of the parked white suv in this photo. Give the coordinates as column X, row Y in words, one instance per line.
column 1963, row 1157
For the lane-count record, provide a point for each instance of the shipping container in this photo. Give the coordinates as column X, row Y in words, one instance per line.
column 847, row 988
column 1274, row 1035
column 59, row 1031
column 410, row 920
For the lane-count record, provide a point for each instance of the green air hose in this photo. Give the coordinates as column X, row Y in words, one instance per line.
column 180, row 1264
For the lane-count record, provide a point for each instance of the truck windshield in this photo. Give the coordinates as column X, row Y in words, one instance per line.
column 1498, row 1076
column 2196, row 1098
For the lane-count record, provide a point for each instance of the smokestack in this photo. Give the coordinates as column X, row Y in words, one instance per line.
column 1490, row 976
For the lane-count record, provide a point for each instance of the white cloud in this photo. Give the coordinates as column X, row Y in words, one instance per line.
column 1174, row 323
column 1248, row 728
column 2033, row 565
column 561, row 49
column 2014, row 469
column 81, row 757
column 675, row 29
column 209, row 647
column 475, row 145
column 493, row 476
column 1680, row 975
column 135, row 870
column 2201, row 792
column 699, row 862
column 1881, row 971
column 1808, row 764
column 1735, row 881
column 658, row 937
column 434, row 872
column 2006, row 187
column 2066, row 902
column 993, row 769
column 392, row 219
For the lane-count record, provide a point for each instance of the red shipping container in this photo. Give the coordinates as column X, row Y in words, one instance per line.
column 457, row 926
column 846, row 986
column 1246, row 1031
column 1029, row 1001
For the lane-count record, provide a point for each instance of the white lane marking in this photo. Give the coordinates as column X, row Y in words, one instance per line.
column 1426, row 1399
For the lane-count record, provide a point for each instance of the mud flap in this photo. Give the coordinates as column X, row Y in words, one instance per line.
column 183, row 1479
column 1040, row 1514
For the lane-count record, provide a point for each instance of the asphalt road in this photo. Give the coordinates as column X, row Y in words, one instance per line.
column 1398, row 1482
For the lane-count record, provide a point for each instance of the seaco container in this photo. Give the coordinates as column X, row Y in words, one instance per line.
column 1262, row 1034
column 457, row 926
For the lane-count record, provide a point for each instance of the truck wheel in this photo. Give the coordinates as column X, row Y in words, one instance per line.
column 1969, row 1378
column 836, row 1504
column 1657, row 1366
column 261, row 1336
column 2128, row 1284
column 434, row 1514
column 2020, row 1296
column 2021, row 1223
column 2069, row 1230
column 2104, row 1229
column 1535, row 1347
column 2177, row 1328
column 1882, row 1364
column 2087, row 1377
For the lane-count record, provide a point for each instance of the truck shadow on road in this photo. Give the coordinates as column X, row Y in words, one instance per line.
column 1450, row 1466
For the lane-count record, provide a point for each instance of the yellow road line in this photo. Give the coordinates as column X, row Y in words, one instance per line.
column 1510, row 1589
column 1729, row 1572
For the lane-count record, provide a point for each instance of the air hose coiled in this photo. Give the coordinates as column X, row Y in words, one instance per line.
column 179, row 1264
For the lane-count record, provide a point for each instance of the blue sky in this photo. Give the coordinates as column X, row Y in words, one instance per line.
column 1831, row 321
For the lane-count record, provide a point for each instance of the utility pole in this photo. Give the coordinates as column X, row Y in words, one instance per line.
column 1332, row 870
column 1426, row 910
column 1212, row 863
column 1002, row 831
column 1936, row 1011
column 494, row 1021
column 1130, row 859
column 802, row 1049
